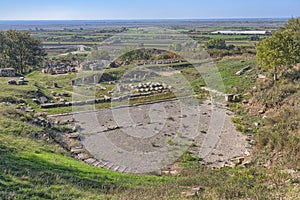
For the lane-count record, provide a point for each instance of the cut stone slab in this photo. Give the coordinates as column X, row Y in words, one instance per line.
column 90, row 161
column 77, row 150
column 83, row 156
column 43, row 99
column 74, row 135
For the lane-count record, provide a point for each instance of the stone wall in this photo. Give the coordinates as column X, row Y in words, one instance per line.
column 7, row 72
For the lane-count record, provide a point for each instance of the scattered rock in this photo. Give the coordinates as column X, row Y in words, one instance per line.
column 65, row 94
column 229, row 97
column 53, row 93
column 72, row 119
column 245, row 101
column 236, row 97
column 76, row 150
column 76, row 128
column 242, row 71
column 83, row 156
column 74, row 135
column 189, row 194
column 256, row 124
column 170, row 172
column 43, row 99
column 12, row 82
column 21, row 82
column 156, row 145
column 260, row 76
column 194, row 192
column 289, row 171
column 238, row 160
column 247, row 162
column 22, row 101
column 230, row 164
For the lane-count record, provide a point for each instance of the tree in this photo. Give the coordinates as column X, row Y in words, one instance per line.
column 281, row 51
column 217, row 43
column 20, row 51
column 2, row 49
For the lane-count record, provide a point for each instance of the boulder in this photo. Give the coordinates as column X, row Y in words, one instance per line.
column 76, row 128
column 83, row 156
column 74, row 135
column 65, row 94
column 229, row 97
column 43, row 99
column 260, row 76
column 35, row 100
column 12, row 82
column 21, row 82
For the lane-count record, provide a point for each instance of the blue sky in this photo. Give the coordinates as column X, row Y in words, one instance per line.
column 146, row 9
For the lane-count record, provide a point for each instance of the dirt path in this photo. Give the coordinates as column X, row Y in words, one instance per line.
column 148, row 137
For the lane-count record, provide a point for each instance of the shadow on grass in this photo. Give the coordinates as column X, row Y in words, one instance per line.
column 33, row 177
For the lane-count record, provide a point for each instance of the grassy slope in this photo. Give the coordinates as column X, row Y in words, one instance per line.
column 34, row 169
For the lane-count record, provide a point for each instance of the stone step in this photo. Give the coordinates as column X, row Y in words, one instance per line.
column 122, row 169
column 104, row 164
column 115, row 168
column 74, row 135
column 96, row 163
column 83, row 156
column 109, row 166
column 76, row 150
column 90, row 161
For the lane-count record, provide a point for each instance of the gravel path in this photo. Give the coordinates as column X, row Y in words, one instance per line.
column 149, row 137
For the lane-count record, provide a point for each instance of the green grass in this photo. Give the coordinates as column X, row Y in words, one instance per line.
column 40, row 84
column 228, row 68
column 33, row 168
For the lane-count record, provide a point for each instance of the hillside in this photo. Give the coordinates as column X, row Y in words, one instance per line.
column 34, row 166
column 264, row 110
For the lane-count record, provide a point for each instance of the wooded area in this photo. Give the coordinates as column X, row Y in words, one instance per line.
column 20, row 51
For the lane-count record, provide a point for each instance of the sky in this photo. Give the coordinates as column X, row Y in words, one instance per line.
column 146, row 9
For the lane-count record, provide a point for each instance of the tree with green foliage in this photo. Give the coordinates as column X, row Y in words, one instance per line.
column 217, row 43
column 20, row 51
column 281, row 51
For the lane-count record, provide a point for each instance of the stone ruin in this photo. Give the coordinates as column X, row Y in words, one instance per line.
column 21, row 81
column 149, row 87
column 159, row 62
column 95, row 65
column 60, row 69
column 140, row 90
column 7, row 72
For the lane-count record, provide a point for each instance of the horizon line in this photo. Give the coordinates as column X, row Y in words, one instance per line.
column 137, row 19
